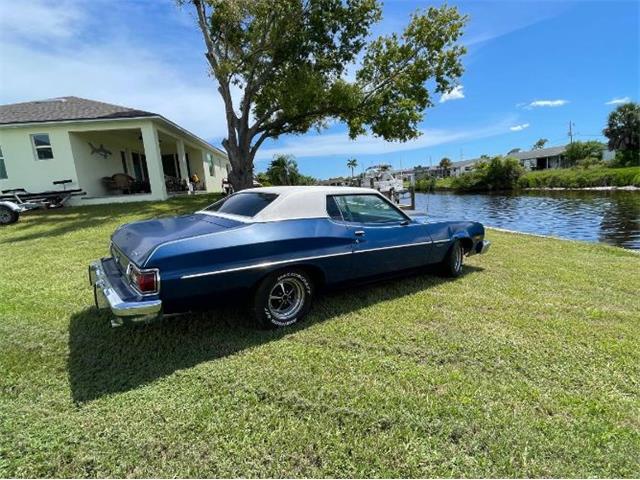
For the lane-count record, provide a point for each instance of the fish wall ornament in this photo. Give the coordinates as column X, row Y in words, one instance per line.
column 103, row 152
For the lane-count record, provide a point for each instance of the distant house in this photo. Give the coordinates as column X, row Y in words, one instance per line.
column 336, row 182
column 405, row 174
column 114, row 153
column 436, row 171
column 543, row 158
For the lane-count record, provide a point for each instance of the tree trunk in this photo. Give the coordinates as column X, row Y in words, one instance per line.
column 241, row 176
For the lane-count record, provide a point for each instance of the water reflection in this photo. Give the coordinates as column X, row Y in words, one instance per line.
column 609, row 217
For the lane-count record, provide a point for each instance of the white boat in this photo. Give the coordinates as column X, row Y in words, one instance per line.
column 381, row 178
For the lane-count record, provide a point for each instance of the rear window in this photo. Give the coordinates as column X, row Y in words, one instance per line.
column 243, row 204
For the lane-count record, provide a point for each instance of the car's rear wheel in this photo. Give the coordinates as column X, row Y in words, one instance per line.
column 283, row 298
column 8, row 216
column 452, row 264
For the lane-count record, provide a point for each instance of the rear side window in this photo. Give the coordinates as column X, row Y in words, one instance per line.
column 332, row 208
column 243, row 204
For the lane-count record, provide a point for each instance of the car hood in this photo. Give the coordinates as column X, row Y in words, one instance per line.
column 137, row 240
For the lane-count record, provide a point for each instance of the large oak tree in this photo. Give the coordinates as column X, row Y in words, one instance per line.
column 293, row 62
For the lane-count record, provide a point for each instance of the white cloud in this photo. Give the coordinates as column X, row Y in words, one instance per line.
column 40, row 19
column 340, row 144
column 115, row 75
column 112, row 67
column 545, row 103
column 455, row 94
column 518, row 128
column 618, row 101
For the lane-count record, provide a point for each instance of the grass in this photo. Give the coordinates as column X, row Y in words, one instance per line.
column 527, row 366
column 581, row 178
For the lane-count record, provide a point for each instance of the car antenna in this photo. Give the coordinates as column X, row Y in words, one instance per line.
column 429, row 190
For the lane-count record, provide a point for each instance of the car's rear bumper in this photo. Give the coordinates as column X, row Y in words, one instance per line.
column 111, row 293
column 481, row 247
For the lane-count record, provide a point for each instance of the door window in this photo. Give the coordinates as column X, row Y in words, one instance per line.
column 367, row 208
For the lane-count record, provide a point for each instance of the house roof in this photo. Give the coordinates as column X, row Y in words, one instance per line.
column 66, row 108
column 540, row 153
column 465, row 163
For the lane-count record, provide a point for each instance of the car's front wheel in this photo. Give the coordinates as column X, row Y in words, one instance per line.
column 8, row 216
column 451, row 266
column 283, row 298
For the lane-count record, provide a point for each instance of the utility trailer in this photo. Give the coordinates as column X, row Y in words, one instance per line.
column 15, row 201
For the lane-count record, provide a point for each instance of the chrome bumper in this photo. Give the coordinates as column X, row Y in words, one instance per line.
column 484, row 247
column 107, row 297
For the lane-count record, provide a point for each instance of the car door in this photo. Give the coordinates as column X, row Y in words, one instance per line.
column 384, row 239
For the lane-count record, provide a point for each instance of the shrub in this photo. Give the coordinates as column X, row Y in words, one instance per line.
column 431, row 184
column 581, row 178
column 590, row 162
column 496, row 174
column 581, row 150
column 426, row 184
column 626, row 158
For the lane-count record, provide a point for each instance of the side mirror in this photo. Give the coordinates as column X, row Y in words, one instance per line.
column 404, row 223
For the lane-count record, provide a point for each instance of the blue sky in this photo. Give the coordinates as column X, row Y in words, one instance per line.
column 531, row 68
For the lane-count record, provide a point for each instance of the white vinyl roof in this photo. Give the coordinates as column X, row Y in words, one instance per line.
column 296, row 202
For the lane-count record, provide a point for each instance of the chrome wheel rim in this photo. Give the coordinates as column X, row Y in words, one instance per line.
column 458, row 259
column 286, row 299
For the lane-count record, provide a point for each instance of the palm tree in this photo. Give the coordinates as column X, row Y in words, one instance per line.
column 352, row 163
column 445, row 164
column 283, row 170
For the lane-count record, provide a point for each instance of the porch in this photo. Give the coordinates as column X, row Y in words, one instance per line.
column 134, row 164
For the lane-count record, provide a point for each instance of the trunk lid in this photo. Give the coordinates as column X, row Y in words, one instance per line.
column 137, row 240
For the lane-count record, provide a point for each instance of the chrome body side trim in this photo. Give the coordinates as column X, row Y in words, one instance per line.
column 293, row 260
column 107, row 297
column 262, row 265
column 417, row 244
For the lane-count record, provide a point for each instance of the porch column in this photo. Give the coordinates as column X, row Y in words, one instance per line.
column 154, row 161
column 182, row 160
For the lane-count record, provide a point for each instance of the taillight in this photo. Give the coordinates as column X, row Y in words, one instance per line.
column 145, row 281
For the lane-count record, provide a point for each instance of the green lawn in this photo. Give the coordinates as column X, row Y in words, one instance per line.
column 528, row 365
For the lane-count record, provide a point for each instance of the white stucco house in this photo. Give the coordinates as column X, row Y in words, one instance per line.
column 113, row 153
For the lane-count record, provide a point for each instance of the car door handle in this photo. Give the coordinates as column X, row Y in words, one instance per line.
column 359, row 233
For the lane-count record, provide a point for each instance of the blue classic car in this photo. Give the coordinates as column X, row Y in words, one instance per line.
column 275, row 247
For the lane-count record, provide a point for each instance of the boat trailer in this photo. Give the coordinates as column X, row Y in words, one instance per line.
column 15, row 201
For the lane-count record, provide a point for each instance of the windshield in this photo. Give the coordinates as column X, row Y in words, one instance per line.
column 243, row 204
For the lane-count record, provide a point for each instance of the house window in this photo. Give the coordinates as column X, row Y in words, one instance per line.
column 3, row 168
column 42, row 146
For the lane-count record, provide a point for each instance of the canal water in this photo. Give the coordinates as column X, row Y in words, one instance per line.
column 611, row 217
